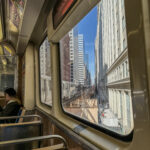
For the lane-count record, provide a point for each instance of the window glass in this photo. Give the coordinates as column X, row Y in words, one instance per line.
column 94, row 84
column 60, row 10
column 8, row 69
column 45, row 73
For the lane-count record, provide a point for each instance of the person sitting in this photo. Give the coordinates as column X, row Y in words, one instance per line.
column 12, row 105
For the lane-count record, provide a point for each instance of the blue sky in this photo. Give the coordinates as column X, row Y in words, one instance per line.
column 88, row 26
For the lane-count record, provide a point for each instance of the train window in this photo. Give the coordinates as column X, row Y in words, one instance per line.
column 8, row 67
column 94, row 69
column 45, row 73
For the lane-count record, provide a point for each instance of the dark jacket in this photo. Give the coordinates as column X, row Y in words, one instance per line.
column 11, row 109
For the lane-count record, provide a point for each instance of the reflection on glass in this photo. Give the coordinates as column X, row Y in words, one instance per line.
column 15, row 13
column 60, row 10
column 45, row 73
column 8, row 69
column 94, row 69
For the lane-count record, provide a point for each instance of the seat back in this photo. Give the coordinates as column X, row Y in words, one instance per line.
column 13, row 131
column 20, row 113
column 25, row 141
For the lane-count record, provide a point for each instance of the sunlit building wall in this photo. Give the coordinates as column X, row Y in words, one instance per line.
column 81, row 59
column 112, row 71
column 73, row 35
column 101, row 67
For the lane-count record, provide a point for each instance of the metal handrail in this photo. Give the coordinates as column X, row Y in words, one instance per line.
column 16, row 117
column 38, row 138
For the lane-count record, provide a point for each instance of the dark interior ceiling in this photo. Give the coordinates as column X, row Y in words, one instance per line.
column 40, row 30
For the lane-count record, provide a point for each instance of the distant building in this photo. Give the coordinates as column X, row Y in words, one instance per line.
column 87, row 73
column 73, row 35
column 86, row 60
column 81, row 59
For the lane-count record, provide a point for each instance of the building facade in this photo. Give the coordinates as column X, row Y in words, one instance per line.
column 73, row 35
column 111, row 58
column 75, row 73
column 81, row 59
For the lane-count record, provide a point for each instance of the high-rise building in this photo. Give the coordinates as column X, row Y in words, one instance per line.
column 86, row 59
column 81, row 59
column 111, row 53
column 101, row 66
column 87, row 81
column 73, row 35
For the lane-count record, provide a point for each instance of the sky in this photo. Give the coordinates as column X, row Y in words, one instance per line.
column 88, row 27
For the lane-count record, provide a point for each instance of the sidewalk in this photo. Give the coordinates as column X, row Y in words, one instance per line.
column 109, row 119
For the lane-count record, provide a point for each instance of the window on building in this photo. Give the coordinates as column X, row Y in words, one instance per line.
column 90, row 94
column 123, row 68
column 127, row 68
column 119, row 73
column 121, row 111
column 122, row 3
column 116, row 74
column 124, row 44
column 117, row 34
column 123, row 23
column 45, row 73
column 129, row 118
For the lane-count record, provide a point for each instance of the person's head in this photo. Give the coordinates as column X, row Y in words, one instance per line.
column 9, row 94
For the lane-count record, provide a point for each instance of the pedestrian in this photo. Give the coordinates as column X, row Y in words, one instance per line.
column 12, row 105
